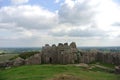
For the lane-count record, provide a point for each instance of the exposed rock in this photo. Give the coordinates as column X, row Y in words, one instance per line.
column 2, row 64
column 66, row 77
column 19, row 61
column 82, row 65
column 6, row 64
column 117, row 69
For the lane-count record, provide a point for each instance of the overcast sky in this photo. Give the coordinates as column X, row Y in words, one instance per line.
column 33, row 23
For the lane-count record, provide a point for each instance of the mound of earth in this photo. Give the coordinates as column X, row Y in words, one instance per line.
column 66, row 77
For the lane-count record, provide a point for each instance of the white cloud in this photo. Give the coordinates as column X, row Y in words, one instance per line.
column 76, row 12
column 57, row 1
column 87, row 22
column 108, row 14
column 11, row 31
column 101, row 13
column 30, row 17
column 19, row 1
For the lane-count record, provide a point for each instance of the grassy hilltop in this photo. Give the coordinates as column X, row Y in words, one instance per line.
column 55, row 72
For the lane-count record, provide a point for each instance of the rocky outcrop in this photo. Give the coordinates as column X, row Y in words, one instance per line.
column 6, row 64
column 18, row 62
column 117, row 69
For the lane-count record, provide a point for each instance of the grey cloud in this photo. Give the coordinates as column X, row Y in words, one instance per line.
column 79, row 14
column 116, row 24
column 81, row 33
column 86, row 33
column 58, row 34
column 7, row 25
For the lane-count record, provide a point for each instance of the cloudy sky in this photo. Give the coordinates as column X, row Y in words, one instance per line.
column 33, row 23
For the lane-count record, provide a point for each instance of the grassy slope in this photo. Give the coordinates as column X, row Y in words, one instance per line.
column 6, row 57
column 46, row 72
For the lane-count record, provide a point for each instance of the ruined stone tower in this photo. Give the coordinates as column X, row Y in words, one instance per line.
column 61, row 54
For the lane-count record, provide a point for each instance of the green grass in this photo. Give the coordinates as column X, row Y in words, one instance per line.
column 6, row 56
column 47, row 72
column 108, row 65
column 103, row 64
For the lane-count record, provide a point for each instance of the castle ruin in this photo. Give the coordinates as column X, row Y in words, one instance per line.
column 69, row 54
column 61, row 54
column 65, row 54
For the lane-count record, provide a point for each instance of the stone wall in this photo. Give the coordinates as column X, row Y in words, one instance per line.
column 69, row 54
column 35, row 59
column 65, row 54
column 92, row 56
column 61, row 54
column 112, row 58
column 87, row 57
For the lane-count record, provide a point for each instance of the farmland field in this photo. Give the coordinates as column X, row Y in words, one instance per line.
column 5, row 57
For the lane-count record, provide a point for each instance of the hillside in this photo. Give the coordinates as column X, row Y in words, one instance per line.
column 55, row 72
column 6, row 56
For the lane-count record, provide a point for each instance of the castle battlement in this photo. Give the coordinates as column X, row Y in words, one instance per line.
column 60, row 54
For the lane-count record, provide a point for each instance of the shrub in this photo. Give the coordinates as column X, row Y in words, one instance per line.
column 14, row 57
column 2, row 53
column 25, row 55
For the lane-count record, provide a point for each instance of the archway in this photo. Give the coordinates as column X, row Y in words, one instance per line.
column 50, row 60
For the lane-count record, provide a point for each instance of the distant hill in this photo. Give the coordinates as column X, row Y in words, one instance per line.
column 18, row 50
column 103, row 49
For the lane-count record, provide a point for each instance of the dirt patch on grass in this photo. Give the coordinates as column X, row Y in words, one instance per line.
column 66, row 77
column 82, row 65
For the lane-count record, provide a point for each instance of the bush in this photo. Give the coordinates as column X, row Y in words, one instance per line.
column 2, row 53
column 25, row 55
column 14, row 57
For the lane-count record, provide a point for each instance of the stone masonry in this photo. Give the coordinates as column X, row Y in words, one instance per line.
column 65, row 54
column 61, row 54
